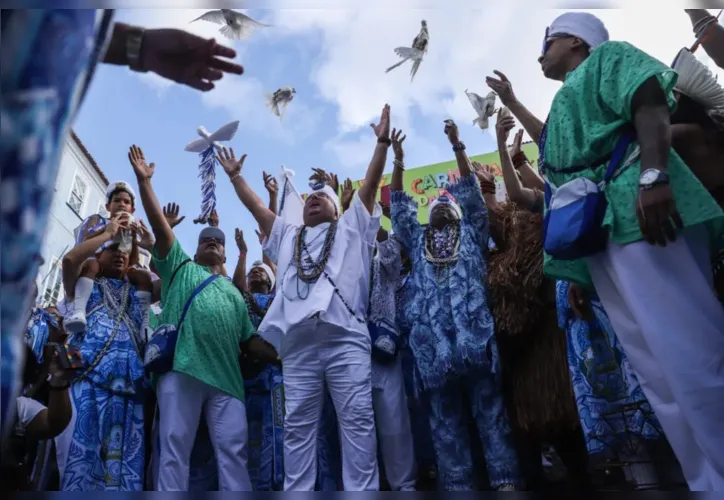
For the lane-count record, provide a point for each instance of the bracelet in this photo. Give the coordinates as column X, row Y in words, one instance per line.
column 235, row 176
column 460, row 146
column 134, row 41
column 398, row 164
column 519, row 159
column 384, row 140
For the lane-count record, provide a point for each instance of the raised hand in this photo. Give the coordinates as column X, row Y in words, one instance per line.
column 270, row 183
column 171, row 213
column 502, row 87
column 143, row 170
column 503, row 126
column 240, row 243
column 451, row 131
column 186, row 58
column 397, row 144
column 214, row 218
column 347, row 194
column 147, row 239
column 517, row 146
column 260, row 235
column 382, row 129
column 229, row 163
column 483, row 172
column 115, row 224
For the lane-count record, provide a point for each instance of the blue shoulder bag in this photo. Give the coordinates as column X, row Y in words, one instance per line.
column 161, row 347
column 572, row 226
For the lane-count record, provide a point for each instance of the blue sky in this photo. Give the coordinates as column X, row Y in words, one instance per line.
column 335, row 59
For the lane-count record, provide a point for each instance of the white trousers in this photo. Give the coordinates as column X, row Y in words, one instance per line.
column 661, row 303
column 392, row 418
column 313, row 353
column 181, row 399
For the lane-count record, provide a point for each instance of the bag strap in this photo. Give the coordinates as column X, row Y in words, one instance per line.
column 618, row 153
column 176, row 271
column 196, row 291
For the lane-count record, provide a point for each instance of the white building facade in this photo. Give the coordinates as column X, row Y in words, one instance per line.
column 80, row 191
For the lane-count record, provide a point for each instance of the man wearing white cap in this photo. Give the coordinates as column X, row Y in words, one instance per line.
column 452, row 333
column 120, row 204
column 652, row 270
column 317, row 322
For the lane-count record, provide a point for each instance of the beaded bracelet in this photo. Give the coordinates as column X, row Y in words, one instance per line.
column 398, row 164
column 519, row 159
column 384, row 140
column 460, row 146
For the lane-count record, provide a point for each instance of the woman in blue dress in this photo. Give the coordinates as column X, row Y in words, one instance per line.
column 103, row 447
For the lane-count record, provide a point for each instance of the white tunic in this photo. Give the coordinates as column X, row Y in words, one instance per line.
column 348, row 267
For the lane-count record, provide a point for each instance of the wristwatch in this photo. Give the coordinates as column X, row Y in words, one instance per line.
column 134, row 41
column 652, row 177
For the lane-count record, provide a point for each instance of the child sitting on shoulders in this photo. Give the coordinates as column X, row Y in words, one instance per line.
column 120, row 199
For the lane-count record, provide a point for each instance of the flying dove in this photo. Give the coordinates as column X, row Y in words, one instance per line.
column 414, row 53
column 279, row 100
column 485, row 108
column 237, row 26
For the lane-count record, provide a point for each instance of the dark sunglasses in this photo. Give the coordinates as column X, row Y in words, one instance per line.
column 548, row 40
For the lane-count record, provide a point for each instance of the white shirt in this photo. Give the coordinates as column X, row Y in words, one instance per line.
column 27, row 409
column 348, row 266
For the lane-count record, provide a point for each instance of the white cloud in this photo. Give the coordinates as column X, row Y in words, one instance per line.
column 465, row 47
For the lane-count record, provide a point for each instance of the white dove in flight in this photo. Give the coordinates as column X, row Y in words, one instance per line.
column 224, row 134
column 278, row 100
column 414, row 53
column 237, row 26
column 484, row 107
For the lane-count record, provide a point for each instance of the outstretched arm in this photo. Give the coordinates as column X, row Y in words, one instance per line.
column 160, row 227
column 504, row 89
column 713, row 40
column 240, row 272
column 261, row 213
column 368, row 191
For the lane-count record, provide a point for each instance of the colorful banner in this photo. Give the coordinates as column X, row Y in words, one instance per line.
column 426, row 183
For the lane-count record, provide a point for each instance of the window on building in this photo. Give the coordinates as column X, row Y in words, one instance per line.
column 78, row 193
column 53, row 284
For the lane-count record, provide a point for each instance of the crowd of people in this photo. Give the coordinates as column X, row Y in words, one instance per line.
column 579, row 321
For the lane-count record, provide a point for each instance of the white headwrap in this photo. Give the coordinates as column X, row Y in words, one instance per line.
column 332, row 195
column 581, row 25
column 446, row 200
column 120, row 186
column 266, row 269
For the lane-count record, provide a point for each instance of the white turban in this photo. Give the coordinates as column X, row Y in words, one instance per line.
column 446, row 200
column 120, row 186
column 266, row 269
column 581, row 25
column 329, row 192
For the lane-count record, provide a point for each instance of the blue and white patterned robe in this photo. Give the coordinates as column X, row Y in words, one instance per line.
column 103, row 447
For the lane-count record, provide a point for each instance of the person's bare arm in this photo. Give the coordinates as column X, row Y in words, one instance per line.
column 272, row 187
column 76, row 256
column 504, row 89
column 52, row 422
column 713, row 41
column 518, row 194
column 261, row 213
column 239, row 278
column 530, row 177
column 461, row 157
column 161, row 229
column 368, row 191
column 398, row 169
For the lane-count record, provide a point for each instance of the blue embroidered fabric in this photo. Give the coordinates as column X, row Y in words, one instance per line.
column 451, row 324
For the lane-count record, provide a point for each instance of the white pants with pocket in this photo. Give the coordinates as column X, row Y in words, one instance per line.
column 662, row 306
column 315, row 352
column 181, row 399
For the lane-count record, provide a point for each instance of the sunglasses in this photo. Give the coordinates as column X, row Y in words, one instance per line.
column 548, row 40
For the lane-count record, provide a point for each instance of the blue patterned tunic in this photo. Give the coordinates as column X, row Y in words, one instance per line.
column 103, row 447
column 38, row 332
column 603, row 380
column 453, row 329
column 48, row 57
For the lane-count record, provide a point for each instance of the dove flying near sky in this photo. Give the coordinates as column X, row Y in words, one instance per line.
column 279, row 100
column 237, row 26
column 484, row 107
column 414, row 53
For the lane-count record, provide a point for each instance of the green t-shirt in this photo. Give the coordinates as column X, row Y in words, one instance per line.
column 584, row 124
column 216, row 322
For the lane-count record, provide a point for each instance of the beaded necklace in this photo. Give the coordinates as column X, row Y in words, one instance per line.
column 442, row 248
column 309, row 270
column 253, row 306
